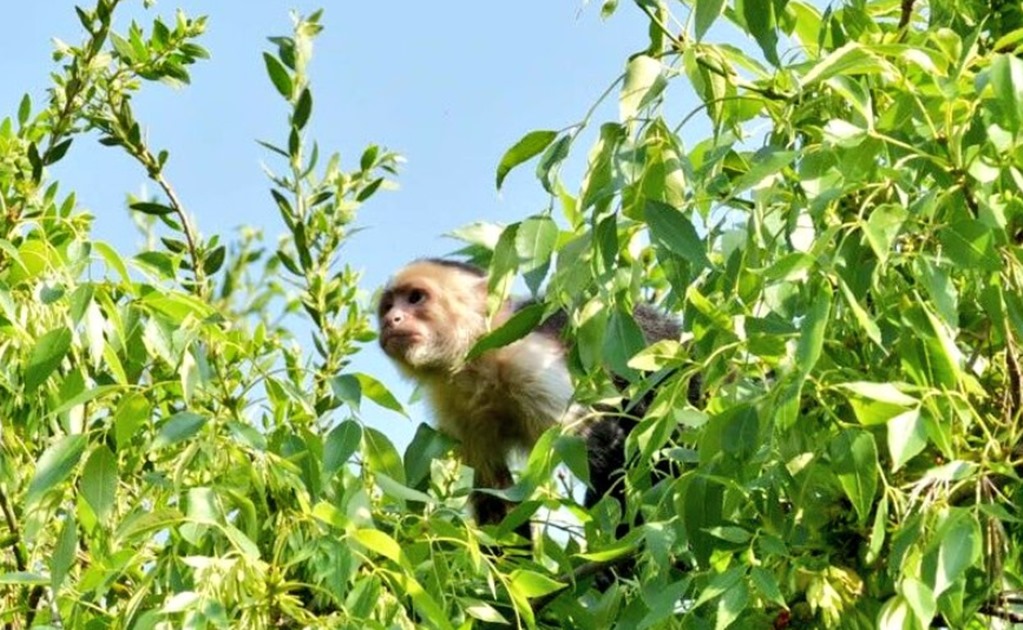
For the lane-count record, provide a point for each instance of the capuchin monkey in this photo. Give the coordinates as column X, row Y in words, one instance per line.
column 432, row 313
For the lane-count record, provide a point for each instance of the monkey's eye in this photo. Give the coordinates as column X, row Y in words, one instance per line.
column 415, row 296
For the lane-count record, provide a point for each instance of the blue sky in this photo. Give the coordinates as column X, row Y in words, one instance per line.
column 449, row 85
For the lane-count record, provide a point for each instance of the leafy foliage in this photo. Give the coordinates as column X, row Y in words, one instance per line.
column 843, row 252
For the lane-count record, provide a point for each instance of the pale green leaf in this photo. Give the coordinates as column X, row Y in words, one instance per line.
column 99, row 482
column 55, row 465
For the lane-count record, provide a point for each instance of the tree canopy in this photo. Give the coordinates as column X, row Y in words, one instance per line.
column 843, row 251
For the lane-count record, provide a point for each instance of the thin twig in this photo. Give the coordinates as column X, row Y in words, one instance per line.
column 12, row 524
column 907, row 13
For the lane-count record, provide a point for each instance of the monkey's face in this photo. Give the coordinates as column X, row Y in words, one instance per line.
column 429, row 317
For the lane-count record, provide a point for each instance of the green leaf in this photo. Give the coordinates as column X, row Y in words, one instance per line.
column 178, row 427
column 45, row 357
column 213, row 260
column 279, row 75
column 731, row 605
column 113, row 260
column 666, row 353
column 940, row 289
column 959, row 543
column 868, row 325
column 524, row 321
column 340, row 445
column 99, row 482
column 854, row 455
column 526, row 148
column 64, row 553
column 767, row 585
column 426, row 606
column 400, row 491
column 303, row 108
column 766, row 162
column 705, row 12
column 376, row 391
column 532, row 584
column 378, row 542
column 23, row 578
column 143, row 522
column 877, row 403
column 550, row 162
column 572, row 451
column 971, row 245
column 760, row 21
column 907, row 436
column 731, row 533
column 877, row 532
column 599, row 182
column 895, row 614
column 427, row 445
column 534, row 241
column 347, row 389
column 920, row 599
column 789, row 268
column 147, row 207
column 849, row 60
column 644, row 82
column 131, row 413
column 58, row 151
column 483, row 611
column 55, row 465
column 1007, row 80
column 672, row 230
column 623, row 339
column 240, row 541
column 24, row 109
column 381, row 456
column 882, row 227
column 813, row 328
column 719, row 584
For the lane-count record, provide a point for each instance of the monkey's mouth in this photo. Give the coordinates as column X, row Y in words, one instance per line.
column 399, row 340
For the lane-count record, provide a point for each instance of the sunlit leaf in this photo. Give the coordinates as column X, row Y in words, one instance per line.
column 533, row 584
column 907, row 436
column 99, row 482
column 55, row 465
column 643, row 83
column 46, row 355
column 378, row 542
column 1007, row 81
column 527, row 147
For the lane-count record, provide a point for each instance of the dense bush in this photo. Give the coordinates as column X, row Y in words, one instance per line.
column 844, row 252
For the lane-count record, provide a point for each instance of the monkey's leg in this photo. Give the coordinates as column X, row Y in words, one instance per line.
column 488, row 509
column 605, row 445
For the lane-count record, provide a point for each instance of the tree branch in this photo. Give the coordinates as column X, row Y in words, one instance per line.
column 907, row 13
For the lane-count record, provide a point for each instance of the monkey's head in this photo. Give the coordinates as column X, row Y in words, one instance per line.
column 431, row 313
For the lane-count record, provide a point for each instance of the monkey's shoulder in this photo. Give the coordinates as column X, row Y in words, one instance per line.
column 523, row 387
